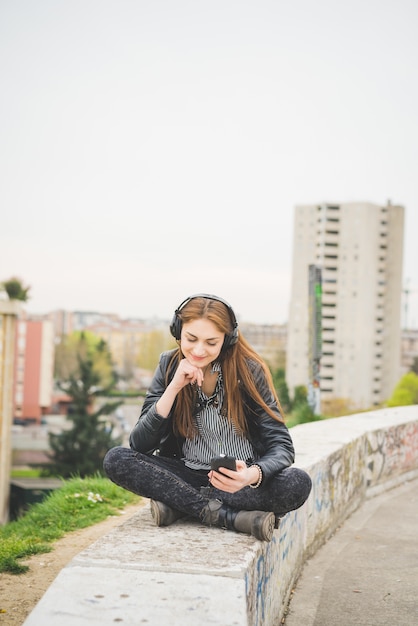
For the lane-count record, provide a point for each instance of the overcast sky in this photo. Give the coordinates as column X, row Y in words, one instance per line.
column 151, row 149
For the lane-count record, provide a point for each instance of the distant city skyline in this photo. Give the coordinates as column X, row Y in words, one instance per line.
column 153, row 150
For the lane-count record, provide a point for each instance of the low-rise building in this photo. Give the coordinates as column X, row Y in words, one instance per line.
column 34, row 365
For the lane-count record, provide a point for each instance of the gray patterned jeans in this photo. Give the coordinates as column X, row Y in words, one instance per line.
column 170, row 481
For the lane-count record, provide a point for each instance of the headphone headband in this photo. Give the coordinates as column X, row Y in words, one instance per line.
column 176, row 323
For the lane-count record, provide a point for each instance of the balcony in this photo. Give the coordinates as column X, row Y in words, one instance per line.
column 331, row 239
column 328, row 336
column 329, row 299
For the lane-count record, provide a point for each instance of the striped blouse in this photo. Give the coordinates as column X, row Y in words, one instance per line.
column 215, row 433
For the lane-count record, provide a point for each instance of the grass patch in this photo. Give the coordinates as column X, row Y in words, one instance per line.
column 26, row 473
column 79, row 503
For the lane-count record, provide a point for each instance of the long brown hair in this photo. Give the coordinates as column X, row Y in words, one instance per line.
column 237, row 376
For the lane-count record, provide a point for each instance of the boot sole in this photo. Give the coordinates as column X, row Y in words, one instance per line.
column 263, row 527
column 156, row 512
column 163, row 515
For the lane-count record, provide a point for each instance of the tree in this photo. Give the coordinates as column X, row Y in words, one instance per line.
column 414, row 366
column 300, row 395
column 15, row 289
column 80, row 449
column 279, row 381
column 83, row 344
column 406, row 391
column 303, row 413
column 151, row 346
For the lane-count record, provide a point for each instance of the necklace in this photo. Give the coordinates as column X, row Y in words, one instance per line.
column 208, row 393
column 205, row 397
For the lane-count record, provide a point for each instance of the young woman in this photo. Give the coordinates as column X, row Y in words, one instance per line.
column 212, row 397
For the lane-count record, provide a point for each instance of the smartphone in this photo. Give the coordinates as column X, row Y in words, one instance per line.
column 223, row 461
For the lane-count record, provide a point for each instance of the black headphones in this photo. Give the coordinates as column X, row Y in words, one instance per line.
column 176, row 323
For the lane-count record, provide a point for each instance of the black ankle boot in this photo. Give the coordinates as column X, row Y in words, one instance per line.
column 259, row 524
column 164, row 515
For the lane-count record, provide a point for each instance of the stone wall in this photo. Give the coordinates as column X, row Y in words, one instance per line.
column 349, row 459
column 188, row 574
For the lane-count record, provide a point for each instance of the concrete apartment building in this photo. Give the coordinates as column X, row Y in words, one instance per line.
column 34, row 367
column 359, row 248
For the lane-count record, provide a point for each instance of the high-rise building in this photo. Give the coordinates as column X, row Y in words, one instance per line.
column 359, row 249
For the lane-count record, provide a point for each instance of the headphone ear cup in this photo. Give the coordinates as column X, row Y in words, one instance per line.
column 231, row 339
column 227, row 343
column 175, row 326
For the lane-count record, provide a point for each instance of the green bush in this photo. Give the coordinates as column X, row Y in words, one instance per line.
column 406, row 391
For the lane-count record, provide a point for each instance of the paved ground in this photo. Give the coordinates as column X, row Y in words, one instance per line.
column 367, row 573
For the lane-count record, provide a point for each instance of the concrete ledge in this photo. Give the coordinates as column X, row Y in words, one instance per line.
column 188, row 574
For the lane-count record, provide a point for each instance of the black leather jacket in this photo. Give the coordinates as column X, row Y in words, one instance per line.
column 270, row 438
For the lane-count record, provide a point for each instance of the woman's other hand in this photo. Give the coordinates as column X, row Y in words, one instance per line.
column 232, row 481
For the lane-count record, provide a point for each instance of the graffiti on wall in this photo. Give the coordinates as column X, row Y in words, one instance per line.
column 391, row 452
column 339, row 484
column 266, row 582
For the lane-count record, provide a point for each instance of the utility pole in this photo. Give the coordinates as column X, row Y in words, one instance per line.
column 9, row 314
